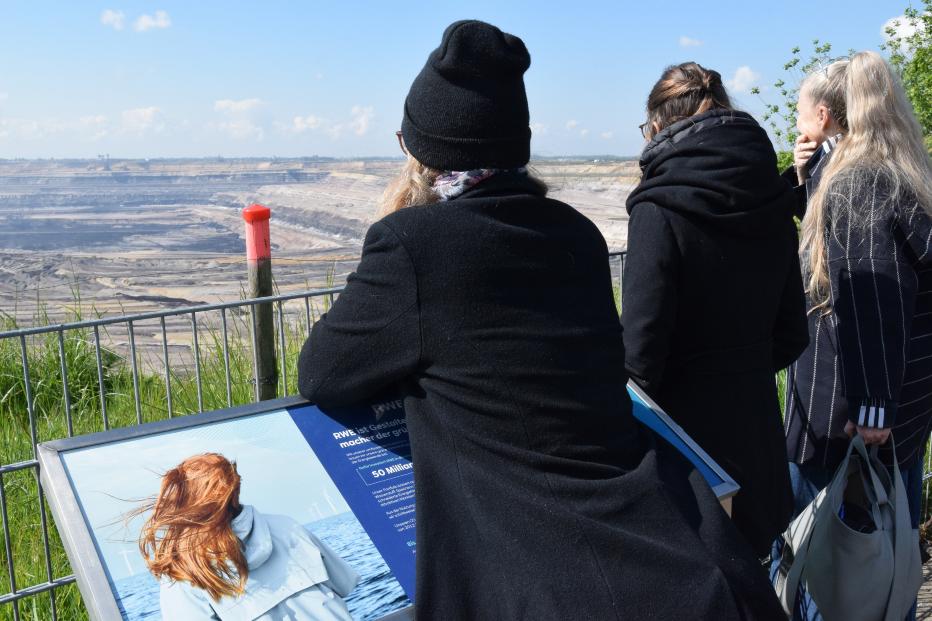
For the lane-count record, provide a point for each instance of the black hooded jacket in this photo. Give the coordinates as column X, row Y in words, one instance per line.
column 713, row 303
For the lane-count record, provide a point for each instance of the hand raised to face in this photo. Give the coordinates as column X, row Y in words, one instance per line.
column 802, row 153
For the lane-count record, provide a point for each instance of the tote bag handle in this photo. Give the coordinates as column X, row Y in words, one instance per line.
column 822, row 503
column 899, row 589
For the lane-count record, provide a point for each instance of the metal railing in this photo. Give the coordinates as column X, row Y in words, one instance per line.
column 110, row 351
column 294, row 313
column 174, row 338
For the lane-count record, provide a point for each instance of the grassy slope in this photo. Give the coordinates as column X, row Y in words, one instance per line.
column 20, row 489
column 20, row 492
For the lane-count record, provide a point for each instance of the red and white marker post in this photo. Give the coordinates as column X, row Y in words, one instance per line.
column 259, row 263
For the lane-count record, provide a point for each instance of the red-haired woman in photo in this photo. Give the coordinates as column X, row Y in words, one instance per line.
column 218, row 559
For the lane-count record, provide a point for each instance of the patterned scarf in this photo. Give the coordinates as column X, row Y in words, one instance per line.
column 451, row 184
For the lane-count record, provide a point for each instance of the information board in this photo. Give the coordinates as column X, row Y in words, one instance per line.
column 343, row 476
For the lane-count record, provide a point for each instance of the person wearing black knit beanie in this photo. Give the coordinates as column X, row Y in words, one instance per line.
column 467, row 108
column 489, row 308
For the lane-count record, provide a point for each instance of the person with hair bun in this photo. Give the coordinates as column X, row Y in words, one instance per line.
column 489, row 307
column 218, row 559
column 712, row 299
column 866, row 251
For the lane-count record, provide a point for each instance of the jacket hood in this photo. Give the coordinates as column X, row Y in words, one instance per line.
column 718, row 167
column 253, row 530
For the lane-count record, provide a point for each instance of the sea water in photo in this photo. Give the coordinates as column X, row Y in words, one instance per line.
column 376, row 595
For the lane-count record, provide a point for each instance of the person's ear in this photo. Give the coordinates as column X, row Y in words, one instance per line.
column 825, row 117
column 656, row 127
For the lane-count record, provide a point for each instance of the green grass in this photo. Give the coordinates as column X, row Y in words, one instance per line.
column 20, row 490
column 781, row 390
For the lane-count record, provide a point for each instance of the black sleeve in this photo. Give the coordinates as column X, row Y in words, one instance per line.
column 874, row 288
column 370, row 339
column 648, row 297
column 800, row 192
column 790, row 331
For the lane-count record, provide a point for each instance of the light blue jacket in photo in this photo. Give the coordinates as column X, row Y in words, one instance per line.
column 293, row 576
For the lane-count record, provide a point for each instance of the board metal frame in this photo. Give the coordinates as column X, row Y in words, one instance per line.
column 75, row 531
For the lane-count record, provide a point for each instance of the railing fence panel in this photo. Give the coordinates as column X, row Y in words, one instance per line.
column 123, row 371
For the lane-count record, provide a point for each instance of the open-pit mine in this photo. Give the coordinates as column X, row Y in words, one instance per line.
column 125, row 236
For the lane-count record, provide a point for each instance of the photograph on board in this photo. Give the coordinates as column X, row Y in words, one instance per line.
column 236, row 520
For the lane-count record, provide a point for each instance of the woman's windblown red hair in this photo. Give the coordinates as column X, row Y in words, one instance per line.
column 189, row 537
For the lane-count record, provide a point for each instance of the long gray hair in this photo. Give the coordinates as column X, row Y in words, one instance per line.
column 881, row 138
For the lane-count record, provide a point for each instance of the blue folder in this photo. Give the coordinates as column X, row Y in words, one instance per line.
column 652, row 416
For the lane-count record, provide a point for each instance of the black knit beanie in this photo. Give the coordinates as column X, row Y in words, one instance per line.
column 467, row 108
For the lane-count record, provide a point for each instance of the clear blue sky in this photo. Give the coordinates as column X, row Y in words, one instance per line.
column 171, row 78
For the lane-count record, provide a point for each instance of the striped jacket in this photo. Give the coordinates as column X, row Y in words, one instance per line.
column 870, row 357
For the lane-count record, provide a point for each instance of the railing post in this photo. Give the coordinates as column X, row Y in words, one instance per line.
column 259, row 262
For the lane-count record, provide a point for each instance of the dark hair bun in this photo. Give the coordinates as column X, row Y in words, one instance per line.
column 698, row 78
column 683, row 91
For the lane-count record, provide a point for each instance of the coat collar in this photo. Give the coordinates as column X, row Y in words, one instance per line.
column 253, row 530
column 292, row 563
column 670, row 137
column 504, row 184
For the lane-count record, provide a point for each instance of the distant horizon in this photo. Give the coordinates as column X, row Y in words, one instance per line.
column 320, row 158
column 192, row 79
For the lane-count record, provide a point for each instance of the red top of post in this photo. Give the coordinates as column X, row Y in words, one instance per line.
column 256, row 213
column 258, row 242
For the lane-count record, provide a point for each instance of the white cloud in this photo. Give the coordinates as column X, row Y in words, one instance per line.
column 361, row 118
column 302, row 124
column 240, row 120
column 148, row 22
column 902, row 26
column 744, row 80
column 97, row 119
column 114, row 19
column 4, row 97
column 95, row 126
column 359, row 123
column 607, row 135
column 538, row 129
column 242, row 129
column 30, row 129
column 571, row 124
column 142, row 120
column 689, row 42
column 237, row 105
column 91, row 127
column 584, row 132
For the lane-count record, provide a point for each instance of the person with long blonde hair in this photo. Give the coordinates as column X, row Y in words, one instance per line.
column 218, row 559
column 865, row 251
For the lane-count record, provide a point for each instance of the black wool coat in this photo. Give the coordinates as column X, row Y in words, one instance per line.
column 713, row 303
column 538, row 495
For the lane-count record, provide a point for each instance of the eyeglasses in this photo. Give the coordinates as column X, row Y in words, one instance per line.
column 401, row 142
column 644, row 129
